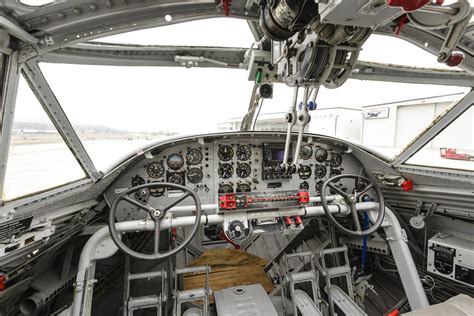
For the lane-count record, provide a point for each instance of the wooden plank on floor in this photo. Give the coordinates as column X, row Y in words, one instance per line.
column 229, row 267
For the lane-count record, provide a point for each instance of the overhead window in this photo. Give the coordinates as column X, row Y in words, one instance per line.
column 38, row 158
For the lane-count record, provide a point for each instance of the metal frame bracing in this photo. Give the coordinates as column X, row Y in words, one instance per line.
column 10, row 88
column 51, row 106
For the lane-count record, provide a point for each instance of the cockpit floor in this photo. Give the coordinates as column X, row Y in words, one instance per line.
column 229, row 267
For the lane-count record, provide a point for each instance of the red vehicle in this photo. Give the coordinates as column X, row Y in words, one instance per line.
column 451, row 153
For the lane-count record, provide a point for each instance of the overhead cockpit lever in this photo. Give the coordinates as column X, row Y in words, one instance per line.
column 301, row 119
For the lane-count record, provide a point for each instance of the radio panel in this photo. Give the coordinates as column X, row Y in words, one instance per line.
column 451, row 257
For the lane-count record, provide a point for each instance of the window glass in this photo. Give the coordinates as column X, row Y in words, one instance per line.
column 121, row 109
column 399, row 52
column 223, row 32
column 453, row 148
column 38, row 158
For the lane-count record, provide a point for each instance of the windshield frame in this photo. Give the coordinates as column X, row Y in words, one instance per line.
column 79, row 55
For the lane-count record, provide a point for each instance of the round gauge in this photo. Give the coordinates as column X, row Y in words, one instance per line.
column 304, row 185
column 175, row 161
column 319, row 186
column 321, row 154
column 243, row 170
column 336, row 160
column 304, row 172
column 334, row 172
column 137, row 180
column 156, row 192
column 155, row 170
column 237, row 230
column 243, row 152
column 194, row 175
column 194, row 156
column 225, row 188
column 176, row 177
column 306, row 152
column 319, row 171
column 225, row 153
column 225, row 170
column 243, row 187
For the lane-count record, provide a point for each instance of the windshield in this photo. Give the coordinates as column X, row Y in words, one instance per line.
column 118, row 109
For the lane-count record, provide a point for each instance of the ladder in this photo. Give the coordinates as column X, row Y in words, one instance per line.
column 132, row 304
column 336, row 295
column 296, row 276
column 193, row 295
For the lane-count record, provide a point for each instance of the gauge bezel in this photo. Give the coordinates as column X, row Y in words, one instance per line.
column 154, row 163
column 334, row 163
column 222, row 166
column 247, row 168
column 225, row 185
column 192, row 162
column 248, row 152
column 195, row 169
column 309, row 153
column 241, row 185
column 320, row 167
column 224, row 157
column 325, row 155
column 306, row 169
column 173, row 167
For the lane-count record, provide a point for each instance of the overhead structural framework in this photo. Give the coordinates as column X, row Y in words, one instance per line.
column 136, row 55
column 95, row 53
column 405, row 74
column 51, row 105
column 434, row 129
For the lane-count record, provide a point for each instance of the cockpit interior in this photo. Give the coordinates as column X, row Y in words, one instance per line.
column 237, row 221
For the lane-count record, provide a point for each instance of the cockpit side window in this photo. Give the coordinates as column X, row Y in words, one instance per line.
column 453, row 148
column 38, row 158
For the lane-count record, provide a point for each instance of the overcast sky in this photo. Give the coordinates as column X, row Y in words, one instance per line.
column 195, row 100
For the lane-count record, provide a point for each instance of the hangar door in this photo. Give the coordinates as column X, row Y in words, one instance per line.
column 411, row 121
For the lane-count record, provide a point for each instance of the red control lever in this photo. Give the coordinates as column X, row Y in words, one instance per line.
column 408, row 5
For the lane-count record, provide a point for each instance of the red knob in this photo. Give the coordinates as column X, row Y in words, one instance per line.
column 455, row 59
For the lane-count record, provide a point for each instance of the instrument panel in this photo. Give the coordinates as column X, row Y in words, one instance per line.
column 241, row 164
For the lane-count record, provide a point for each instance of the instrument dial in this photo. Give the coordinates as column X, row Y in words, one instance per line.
column 319, row 171
column 321, row 155
column 334, row 172
column 225, row 153
column 243, row 170
column 243, row 187
column 194, row 156
column 175, row 161
column 237, row 230
column 336, row 160
column 137, row 180
column 225, row 188
column 155, row 170
column 304, row 185
column 176, row 177
column 194, row 175
column 225, row 170
column 244, row 152
column 304, row 172
column 306, row 152
column 156, row 192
